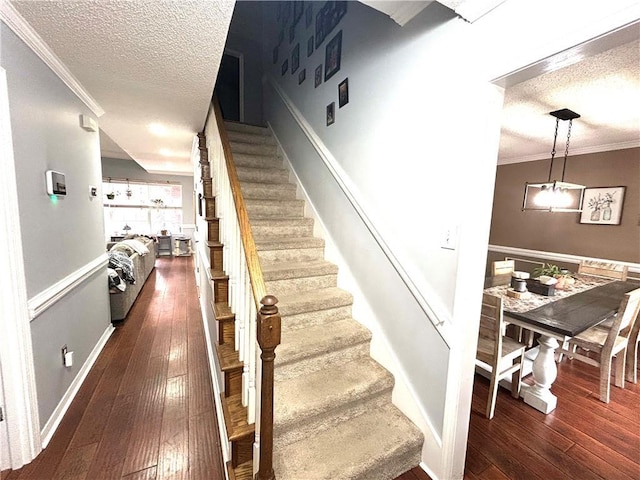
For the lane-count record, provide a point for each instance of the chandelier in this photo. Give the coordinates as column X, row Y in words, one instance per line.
column 556, row 196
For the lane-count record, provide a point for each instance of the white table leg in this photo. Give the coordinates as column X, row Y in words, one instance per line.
column 545, row 371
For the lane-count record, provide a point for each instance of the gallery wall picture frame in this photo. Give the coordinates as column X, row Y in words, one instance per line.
column 302, row 76
column 295, row 58
column 331, row 113
column 308, row 15
column 285, row 66
column 332, row 56
column 328, row 18
column 343, row 93
column 603, row 205
column 310, row 46
column 318, row 76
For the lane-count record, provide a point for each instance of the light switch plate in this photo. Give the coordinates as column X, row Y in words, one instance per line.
column 449, row 238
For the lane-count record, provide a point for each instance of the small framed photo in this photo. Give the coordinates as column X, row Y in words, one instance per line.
column 602, row 205
column 302, row 76
column 295, row 58
column 332, row 56
column 331, row 113
column 318, row 79
column 275, row 54
column 285, row 66
column 308, row 15
column 310, row 46
column 343, row 93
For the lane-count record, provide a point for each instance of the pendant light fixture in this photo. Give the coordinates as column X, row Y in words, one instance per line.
column 556, row 196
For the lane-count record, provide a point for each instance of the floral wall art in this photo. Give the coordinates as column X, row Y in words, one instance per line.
column 603, row 205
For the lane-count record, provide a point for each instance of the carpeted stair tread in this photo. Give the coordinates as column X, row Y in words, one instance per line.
column 378, row 445
column 272, row 208
column 275, row 191
column 245, row 127
column 281, row 227
column 262, row 175
column 311, row 301
column 299, row 399
column 250, row 137
column 267, row 243
column 257, row 161
column 257, row 148
column 319, row 340
column 281, row 271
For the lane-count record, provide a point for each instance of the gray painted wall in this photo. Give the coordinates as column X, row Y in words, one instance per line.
column 58, row 237
column 117, row 168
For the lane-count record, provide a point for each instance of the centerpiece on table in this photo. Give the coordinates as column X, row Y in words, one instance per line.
column 549, row 272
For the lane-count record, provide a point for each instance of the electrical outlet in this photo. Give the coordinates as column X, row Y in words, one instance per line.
column 64, row 353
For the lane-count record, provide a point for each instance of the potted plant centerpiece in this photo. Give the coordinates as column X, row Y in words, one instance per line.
column 562, row 275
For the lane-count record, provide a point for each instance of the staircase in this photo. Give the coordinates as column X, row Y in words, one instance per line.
column 333, row 414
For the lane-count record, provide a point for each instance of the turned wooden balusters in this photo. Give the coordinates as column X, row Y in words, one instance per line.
column 268, row 333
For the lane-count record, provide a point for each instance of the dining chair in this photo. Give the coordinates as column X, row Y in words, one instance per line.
column 632, row 352
column 498, row 351
column 603, row 269
column 600, row 345
column 502, row 267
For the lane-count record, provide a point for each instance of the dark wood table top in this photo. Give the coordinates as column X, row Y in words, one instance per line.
column 575, row 313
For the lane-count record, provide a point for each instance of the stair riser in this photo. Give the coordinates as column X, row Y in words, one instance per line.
column 393, row 467
column 210, row 207
column 226, row 331
column 246, row 137
column 220, row 290
column 305, row 284
column 207, row 187
column 269, row 257
column 215, row 257
column 258, row 175
column 319, row 317
column 232, row 383
column 262, row 231
column 293, row 209
column 256, row 149
column 213, row 235
column 308, row 427
column 319, row 362
column 257, row 161
column 277, row 191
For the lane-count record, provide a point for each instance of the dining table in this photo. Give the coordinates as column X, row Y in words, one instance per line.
column 588, row 301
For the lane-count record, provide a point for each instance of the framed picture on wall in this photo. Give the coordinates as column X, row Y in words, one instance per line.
column 332, row 56
column 295, row 58
column 602, row 205
column 331, row 113
column 285, row 66
column 302, row 76
column 310, row 46
column 343, row 93
column 318, row 79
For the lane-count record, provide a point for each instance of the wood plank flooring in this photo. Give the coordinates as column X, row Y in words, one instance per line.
column 146, row 410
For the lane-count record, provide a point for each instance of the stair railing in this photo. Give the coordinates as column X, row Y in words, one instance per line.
column 257, row 318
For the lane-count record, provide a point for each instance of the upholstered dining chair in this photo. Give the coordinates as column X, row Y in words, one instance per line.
column 497, row 351
column 502, row 267
column 603, row 269
column 601, row 344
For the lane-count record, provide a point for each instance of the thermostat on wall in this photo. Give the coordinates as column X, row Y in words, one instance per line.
column 56, row 184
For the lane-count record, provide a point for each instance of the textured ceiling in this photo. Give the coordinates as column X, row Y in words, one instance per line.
column 151, row 61
column 604, row 89
column 144, row 62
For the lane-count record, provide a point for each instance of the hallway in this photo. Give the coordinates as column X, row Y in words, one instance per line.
column 146, row 409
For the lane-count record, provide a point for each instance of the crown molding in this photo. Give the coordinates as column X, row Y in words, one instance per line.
column 608, row 147
column 12, row 19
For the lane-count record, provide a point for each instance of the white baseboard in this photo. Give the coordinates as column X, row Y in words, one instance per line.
column 56, row 417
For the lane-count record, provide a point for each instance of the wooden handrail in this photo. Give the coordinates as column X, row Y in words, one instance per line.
column 251, row 255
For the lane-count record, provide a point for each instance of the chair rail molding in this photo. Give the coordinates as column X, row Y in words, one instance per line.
column 558, row 257
column 48, row 297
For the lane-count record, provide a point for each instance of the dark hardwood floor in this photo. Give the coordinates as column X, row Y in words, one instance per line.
column 146, row 410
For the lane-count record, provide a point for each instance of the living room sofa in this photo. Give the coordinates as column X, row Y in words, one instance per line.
column 121, row 301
